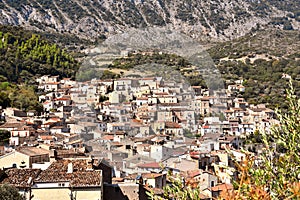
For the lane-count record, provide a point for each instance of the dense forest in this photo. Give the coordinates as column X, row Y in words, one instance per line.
column 25, row 56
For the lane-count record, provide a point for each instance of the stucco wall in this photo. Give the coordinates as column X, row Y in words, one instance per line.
column 49, row 194
column 14, row 158
column 64, row 194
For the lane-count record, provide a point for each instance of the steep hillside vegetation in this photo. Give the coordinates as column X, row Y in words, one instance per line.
column 264, row 60
column 25, row 55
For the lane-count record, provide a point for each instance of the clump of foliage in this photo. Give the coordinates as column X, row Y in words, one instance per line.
column 19, row 96
column 86, row 74
column 269, row 41
column 177, row 190
column 275, row 173
column 279, row 171
column 8, row 192
column 4, row 136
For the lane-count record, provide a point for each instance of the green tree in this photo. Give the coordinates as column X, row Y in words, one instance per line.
column 177, row 190
column 8, row 192
column 277, row 172
column 4, row 136
column 280, row 167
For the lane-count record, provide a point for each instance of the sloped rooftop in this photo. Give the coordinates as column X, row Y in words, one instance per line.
column 82, row 174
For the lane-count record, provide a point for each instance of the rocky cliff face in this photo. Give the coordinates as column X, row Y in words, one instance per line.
column 215, row 19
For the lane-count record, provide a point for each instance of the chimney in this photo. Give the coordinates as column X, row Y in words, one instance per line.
column 29, row 180
column 70, row 168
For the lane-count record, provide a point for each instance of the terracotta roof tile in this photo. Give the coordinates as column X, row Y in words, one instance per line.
column 172, row 125
column 20, row 178
column 149, row 165
column 108, row 137
column 222, row 187
column 151, row 175
column 46, row 137
column 82, row 175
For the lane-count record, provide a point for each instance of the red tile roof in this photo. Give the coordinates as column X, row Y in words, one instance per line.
column 20, row 178
column 83, row 174
column 172, row 125
column 46, row 137
column 151, row 175
column 29, row 123
column 142, row 98
column 136, row 121
column 62, row 99
column 149, row 165
column 222, row 187
column 12, row 125
column 108, row 137
column 194, row 173
column 118, row 179
column 53, row 83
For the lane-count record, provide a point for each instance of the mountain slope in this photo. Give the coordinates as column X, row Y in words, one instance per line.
column 265, row 60
column 219, row 19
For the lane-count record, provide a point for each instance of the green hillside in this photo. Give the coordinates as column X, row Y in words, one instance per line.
column 25, row 55
column 260, row 59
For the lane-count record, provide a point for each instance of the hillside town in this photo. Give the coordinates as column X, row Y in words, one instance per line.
column 123, row 138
